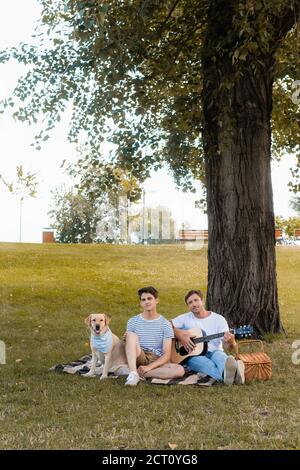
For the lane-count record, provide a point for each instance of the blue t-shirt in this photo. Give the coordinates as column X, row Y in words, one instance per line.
column 151, row 333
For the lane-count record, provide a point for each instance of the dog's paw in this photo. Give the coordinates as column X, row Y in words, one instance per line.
column 103, row 377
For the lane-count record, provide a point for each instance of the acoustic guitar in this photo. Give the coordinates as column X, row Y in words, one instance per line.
column 200, row 340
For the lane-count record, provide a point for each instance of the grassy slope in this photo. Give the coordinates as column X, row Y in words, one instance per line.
column 48, row 290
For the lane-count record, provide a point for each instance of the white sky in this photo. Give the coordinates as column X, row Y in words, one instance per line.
column 17, row 22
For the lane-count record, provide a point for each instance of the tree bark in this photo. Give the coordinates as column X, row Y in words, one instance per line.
column 237, row 145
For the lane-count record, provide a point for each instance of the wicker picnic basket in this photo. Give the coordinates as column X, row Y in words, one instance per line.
column 258, row 365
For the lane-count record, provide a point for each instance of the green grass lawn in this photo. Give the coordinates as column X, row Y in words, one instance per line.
column 48, row 290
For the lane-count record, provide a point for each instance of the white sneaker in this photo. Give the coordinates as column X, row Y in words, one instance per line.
column 240, row 373
column 230, row 370
column 132, row 379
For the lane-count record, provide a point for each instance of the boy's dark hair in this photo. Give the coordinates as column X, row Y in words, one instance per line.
column 191, row 292
column 148, row 290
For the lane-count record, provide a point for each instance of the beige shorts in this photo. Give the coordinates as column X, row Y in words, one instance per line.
column 145, row 358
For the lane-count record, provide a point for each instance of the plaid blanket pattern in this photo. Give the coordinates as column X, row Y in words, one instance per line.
column 82, row 366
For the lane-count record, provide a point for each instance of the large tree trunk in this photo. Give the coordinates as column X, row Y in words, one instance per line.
column 237, row 145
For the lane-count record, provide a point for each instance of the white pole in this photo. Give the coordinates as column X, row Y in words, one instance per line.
column 20, row 228
column 144, row 216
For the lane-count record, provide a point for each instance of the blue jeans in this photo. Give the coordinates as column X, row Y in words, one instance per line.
column 212, row 364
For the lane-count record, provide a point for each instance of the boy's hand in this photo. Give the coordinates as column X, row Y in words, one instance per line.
column 142, row 370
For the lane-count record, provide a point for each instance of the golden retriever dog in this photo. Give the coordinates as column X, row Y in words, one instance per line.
column 106, row 347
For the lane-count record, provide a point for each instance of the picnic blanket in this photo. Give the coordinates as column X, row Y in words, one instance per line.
column 82, row 366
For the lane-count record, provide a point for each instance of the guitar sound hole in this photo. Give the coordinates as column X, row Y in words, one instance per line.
column 182, row 351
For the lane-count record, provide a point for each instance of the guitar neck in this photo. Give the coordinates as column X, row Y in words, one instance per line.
column 205, row 339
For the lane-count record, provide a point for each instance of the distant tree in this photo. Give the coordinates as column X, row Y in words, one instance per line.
column 288, row 225
column 279, row 221
column 295, row 204
column 91, row 211
column 98, row 178
column 24, row 186
column 74, row 217
column 111, row 189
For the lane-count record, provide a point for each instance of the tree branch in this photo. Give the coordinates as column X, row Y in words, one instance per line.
column 162, row 26
column 289, row 19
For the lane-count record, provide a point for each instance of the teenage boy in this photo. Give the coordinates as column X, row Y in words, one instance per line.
column 149, row 341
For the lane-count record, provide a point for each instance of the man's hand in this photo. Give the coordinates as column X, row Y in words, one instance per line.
column 229, row 340
column 186, row 341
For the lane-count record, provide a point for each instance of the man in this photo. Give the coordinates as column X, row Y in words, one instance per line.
column 148, row 342
column 215, row 364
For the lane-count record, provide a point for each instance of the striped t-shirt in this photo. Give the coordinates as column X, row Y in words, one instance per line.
column 151, row 333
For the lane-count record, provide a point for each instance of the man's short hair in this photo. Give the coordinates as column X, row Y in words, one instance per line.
column 191, row 292
column 148, row 290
